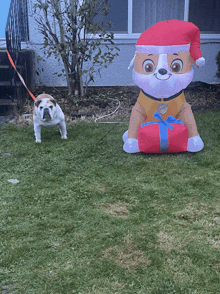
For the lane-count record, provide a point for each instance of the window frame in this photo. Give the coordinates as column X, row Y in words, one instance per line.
column 134, row 36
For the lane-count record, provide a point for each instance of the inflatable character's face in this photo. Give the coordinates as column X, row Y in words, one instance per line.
column 163, row 75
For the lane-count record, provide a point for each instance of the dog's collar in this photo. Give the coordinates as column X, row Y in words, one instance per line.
column 162, row 99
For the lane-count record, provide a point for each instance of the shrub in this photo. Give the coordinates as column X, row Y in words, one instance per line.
column 218, row 64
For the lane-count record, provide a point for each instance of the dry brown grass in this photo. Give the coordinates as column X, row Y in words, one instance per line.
column 191, row 212
column 169, row 242
column 118, row 209
column 21, row 120
column 98, row 186
column 27, row 120
column 127, row 256
column 107, row 287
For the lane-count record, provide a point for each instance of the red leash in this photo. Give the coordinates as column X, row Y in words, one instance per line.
column 20, row 77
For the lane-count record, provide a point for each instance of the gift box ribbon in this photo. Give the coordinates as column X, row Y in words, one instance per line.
column 163, row 128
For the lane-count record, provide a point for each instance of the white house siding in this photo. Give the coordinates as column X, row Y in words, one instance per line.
column 44, row 67
column 117, row 74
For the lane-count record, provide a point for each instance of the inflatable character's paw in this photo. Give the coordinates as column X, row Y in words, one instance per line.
column 131, row 146
column 125, row 136
column 195, row 144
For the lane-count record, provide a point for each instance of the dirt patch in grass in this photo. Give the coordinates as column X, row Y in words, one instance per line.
column 118, row 209
column 128, row 256
column 181, row 274
column 170, row 242
column 106, row 288
column 99, row 187
column 203, row 217
column 191, row 213
column 198, row 212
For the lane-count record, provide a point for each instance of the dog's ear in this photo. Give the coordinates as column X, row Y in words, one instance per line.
column 53, row 101
column 37, row 103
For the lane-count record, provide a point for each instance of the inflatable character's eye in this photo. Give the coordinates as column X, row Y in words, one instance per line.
column 148, row 66
column 176, row 65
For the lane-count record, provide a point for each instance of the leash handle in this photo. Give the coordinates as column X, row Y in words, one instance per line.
column 20, row 77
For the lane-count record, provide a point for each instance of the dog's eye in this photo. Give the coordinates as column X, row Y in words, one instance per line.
column 51, row 107
column 177, row 65
column 148, row 66
column 41, row 107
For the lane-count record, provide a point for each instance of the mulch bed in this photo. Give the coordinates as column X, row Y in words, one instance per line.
column 100, row 101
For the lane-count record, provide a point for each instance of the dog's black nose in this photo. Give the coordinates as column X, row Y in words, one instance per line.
column 46, row 113
column 162, row 71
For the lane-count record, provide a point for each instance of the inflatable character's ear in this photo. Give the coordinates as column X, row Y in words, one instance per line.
column 132, row 61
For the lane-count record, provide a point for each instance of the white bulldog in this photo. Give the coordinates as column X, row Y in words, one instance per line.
column 47, row 113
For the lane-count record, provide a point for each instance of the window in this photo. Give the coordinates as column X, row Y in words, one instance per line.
column 205, row 15
column 118, row 16
column 135, row 16
column 148, row 12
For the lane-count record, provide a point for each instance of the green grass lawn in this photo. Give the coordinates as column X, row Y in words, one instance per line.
column 86, row 217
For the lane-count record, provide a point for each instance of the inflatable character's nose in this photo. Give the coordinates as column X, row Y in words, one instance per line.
column 162, row 71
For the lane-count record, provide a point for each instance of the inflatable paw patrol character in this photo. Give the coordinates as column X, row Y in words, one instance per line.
column 161, row 119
